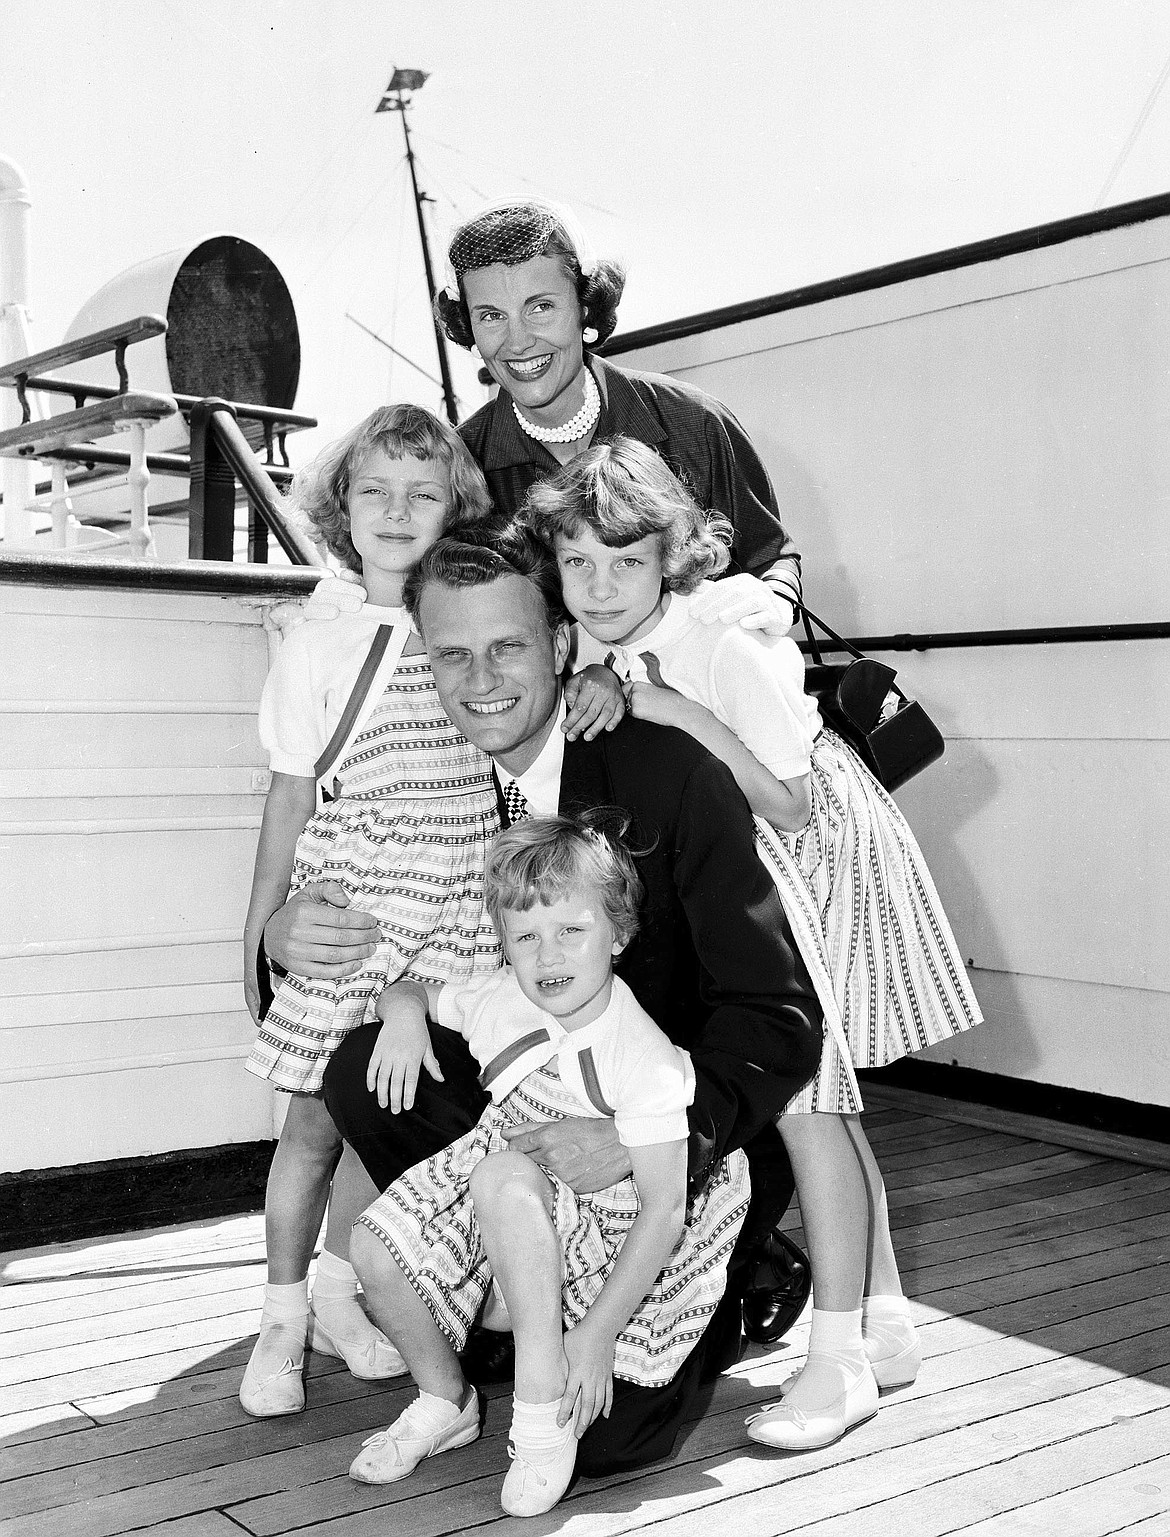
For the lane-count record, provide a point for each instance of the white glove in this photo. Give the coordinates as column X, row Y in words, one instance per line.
column 334, row 596
column 746, row 601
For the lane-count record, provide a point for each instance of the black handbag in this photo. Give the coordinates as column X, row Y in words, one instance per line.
column 893, row 736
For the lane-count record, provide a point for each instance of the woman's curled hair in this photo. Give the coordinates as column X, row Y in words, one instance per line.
column 515, row 233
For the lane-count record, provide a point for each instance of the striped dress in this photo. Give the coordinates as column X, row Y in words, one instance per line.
column 854, row 885
column 427, row 1220
column 406, row 838
column 867, row 919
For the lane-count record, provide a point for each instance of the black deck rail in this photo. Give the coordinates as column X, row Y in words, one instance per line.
column 275, row 421
column 44, row 439
column 221, row 454
column 113, row 339
column 20, row 568
column 1036, row 237
column 1039, row 635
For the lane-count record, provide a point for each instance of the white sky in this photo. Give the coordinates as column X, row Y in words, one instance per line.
column 725, row 149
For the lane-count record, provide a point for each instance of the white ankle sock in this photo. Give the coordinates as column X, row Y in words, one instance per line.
column 535, row 1430
column 887, row 1326
column 286, row 1304
column 336, row 1305
column 835, row 1334
column 885, row 1310
column 335, row 1278
column 284, row 1324
column 836, row 1360
column 430, row 1414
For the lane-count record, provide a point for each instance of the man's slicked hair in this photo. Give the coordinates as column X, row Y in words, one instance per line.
column 476, row 557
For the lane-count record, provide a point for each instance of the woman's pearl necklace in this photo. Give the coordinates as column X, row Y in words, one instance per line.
column 577, row 426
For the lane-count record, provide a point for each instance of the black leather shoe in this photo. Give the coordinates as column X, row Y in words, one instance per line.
column 489, row 1356
column 777, row 1290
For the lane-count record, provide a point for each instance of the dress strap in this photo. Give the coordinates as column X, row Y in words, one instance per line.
column 503, row 1060
column 383, row 657
column 592, row 1083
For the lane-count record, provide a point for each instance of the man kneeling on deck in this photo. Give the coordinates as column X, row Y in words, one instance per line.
column 713, row 962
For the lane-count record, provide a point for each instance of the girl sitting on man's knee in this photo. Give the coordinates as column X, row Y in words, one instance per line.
column 613, row 1283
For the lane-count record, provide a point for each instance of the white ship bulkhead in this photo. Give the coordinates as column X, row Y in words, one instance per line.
column 963, row 445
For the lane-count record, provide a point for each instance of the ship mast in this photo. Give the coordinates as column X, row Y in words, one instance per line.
column 394, row 100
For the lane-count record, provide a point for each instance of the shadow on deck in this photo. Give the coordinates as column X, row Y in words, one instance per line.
column 1038, row 1279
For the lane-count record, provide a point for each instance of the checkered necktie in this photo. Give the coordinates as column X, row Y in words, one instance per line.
column 517, row 807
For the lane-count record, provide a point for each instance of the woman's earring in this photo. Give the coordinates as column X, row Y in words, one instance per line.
column 589, row 335
column 475, row 352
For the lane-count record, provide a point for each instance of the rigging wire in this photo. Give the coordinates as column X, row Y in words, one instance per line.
column 433, row 177
column 365, row 208
column 344, row 142
column 393, row 326
column 495, row 165
column 434, row 181
column 391, row 348
column 1134, row 133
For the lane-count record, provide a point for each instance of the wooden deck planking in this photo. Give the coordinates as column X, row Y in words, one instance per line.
column 1131, row 1501
column 1036, row 1275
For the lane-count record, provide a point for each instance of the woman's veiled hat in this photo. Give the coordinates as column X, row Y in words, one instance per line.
column 512, row 232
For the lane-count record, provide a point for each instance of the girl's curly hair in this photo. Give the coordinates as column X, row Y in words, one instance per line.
column 539, row 858
column 319, row 492
column 621, row 492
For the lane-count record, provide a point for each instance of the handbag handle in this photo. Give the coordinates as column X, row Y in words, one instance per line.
column 806, row 614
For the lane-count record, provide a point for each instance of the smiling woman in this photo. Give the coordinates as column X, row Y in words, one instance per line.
column 525, row 290
column 526, row 321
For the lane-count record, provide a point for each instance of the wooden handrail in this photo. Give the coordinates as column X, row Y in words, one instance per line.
column 291, row 421
column 32, row 439
column 113, row 339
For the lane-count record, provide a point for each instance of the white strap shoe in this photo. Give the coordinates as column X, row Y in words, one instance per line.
column 265, row 1394
column 366, row 1351
column 396, row 1451
column 537, row 1480
column 799, row 1430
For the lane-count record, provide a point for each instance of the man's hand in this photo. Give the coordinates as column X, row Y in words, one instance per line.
column 746, row 601
column 317, row 934
column 582, row 1151
column 595, row 702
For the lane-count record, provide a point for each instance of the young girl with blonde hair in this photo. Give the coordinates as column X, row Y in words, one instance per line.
column 620, row 1282
column 633, row 549
column 375, row 793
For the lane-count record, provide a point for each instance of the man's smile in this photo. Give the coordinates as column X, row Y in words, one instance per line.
column 489, row 706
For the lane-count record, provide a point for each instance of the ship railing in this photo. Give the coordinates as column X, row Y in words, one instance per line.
column 220, row 452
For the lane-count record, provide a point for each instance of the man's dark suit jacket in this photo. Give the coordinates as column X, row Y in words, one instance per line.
column 713, row 963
